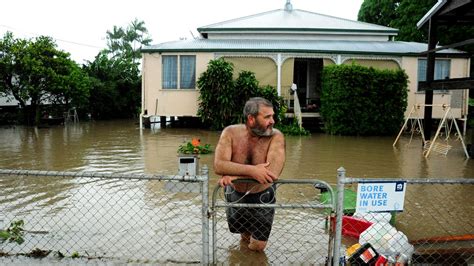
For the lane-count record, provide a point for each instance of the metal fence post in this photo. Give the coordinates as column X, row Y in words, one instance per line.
column 341, row 175
column 205, row 216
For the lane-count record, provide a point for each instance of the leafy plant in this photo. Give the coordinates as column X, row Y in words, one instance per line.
column 222, row 99
column 194, row 147
column 357, row 100
column 217, row 103
column 292, row 129
column 14, row 233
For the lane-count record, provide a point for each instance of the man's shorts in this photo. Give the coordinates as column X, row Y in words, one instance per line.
column 256, row 221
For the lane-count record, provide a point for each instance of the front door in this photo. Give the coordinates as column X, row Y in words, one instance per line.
column 307, row 77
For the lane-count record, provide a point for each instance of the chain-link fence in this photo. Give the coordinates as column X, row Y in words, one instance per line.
column 166, row 219
column 291, row 215
column 129, row 218
column 436, row 225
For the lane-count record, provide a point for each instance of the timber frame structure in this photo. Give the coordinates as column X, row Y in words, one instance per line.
column 450, row 13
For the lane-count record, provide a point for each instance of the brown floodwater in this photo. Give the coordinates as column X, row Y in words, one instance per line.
column 121, row 147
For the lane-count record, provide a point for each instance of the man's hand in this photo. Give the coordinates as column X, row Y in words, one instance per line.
column 226, row 181
column 262, row 174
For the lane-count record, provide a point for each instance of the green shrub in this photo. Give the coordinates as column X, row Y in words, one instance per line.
column 279, row 105
column 357, row 100
column 292, row 128
column 222, row 99
column 217, row 104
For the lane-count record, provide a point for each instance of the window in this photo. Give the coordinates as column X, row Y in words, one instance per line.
column 187, row 72
column 442, row 67
column 170, row 72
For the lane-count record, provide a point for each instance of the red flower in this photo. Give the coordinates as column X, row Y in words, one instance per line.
column 196, row 142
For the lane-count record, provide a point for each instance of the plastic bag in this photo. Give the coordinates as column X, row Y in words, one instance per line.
column 386, row 239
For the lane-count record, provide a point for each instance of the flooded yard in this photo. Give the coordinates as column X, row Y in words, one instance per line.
column 121, row 147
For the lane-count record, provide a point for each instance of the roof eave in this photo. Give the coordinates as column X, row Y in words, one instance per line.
column 431, row 13
column 249, row 30
column 218, row 50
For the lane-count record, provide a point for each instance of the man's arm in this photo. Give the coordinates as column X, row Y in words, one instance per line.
column 276, row 153
column 225, row 167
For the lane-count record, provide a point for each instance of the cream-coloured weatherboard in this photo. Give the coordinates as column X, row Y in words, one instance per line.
column 377, row 64
column 459, row 68
column 170, row 102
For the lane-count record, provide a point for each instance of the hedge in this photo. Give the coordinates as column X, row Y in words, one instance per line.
column 357, row 100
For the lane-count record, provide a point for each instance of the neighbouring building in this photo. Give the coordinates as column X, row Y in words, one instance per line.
column 287, row 46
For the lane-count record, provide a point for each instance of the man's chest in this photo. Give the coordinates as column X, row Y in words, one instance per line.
column 247, row 152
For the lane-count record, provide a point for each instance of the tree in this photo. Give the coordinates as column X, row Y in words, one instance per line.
column 381, row 12
column 126, row 43
column 115, row 74
column 404, row 14
column 400, row 14
column 73, row 89
column 115, row 88
column 36, row 72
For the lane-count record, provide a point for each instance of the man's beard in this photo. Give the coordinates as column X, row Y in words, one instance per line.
column 260, row 131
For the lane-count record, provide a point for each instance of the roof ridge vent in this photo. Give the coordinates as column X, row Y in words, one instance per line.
column 288, row 6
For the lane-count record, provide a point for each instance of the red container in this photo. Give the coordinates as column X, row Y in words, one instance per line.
column 351, row 226
column 365, row 255
column 381, row 261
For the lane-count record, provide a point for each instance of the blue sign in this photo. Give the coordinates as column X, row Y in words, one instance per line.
column 380, row 197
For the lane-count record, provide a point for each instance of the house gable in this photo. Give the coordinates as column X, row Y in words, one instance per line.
column 296, row 24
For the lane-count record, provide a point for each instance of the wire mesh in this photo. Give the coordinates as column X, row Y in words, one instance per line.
column 299, row 231
column 435, row 227
column 125, row 219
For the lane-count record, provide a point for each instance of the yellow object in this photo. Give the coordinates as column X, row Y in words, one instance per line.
column 350, row 250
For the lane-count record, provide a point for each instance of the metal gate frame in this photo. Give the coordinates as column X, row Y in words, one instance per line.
column 316, row 184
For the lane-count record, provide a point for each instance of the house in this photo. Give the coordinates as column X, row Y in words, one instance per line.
column 287, row 46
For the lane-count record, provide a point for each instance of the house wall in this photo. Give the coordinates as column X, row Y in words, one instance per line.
column 287, row 77
column 377, row 64
column 456, row 99
column 169, row 102
column 264, row 68
column 328, row 62
column 184, row 102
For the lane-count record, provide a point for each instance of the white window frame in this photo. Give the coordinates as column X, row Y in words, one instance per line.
column 175, row 80
column 442, row 71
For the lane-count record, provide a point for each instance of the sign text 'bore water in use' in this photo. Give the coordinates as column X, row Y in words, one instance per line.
column 380, row 196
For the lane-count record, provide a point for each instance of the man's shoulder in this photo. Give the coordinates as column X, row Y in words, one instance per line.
column 277, row 133
column 234, row 128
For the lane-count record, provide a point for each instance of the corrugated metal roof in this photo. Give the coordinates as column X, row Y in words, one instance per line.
column 296, row 19
column 295, row 46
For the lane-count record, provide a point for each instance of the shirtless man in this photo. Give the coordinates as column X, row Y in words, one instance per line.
column 257, row 151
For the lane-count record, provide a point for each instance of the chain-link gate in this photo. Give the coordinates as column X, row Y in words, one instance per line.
column 113, row 217
column 436, row 225
column 299, row 232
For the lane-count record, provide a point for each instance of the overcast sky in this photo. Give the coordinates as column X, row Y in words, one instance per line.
column 79, row 27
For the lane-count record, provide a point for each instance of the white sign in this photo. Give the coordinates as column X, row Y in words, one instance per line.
column 380, row 197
